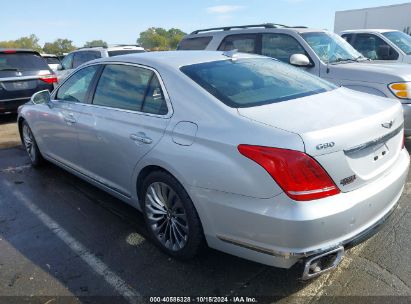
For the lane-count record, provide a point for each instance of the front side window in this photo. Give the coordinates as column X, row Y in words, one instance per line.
column 243, row 43
column 76, row 87
column 252, row 82
column 84, row 56
column 347, row 37
column 373, row 47
column 196, row 44
column 129, row 88
column 280, row 46
column 400, row 39
column 330, row 47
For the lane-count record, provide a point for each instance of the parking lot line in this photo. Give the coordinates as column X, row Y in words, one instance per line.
column 118, row 284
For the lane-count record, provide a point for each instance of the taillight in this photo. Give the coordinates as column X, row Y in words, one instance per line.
column 298, row 174
column 49, row 78
column 9, row 52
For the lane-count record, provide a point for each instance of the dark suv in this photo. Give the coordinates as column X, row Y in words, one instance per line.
column 22, row 73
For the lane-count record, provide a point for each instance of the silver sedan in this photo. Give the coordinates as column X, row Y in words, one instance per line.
column 243, row 153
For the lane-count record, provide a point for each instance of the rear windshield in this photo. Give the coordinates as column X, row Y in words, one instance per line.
column 252, row 82
column 124, row 52
column 196, row 44
column 22, row 62
column 52, row 60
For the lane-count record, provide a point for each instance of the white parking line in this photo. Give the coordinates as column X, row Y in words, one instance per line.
column 95, row 263
column 14, row 169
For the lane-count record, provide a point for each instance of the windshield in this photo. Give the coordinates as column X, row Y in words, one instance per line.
column 252, row 82
column 330, row 47
column 400, row 39
column 52, row 60
column 22, row 62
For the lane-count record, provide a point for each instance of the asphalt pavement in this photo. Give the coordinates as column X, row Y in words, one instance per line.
column 64, row 241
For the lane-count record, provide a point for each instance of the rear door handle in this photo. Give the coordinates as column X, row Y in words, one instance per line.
column 70, row 118
column 141, row 137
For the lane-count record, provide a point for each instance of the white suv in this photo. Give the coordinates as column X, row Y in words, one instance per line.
column 80, row 56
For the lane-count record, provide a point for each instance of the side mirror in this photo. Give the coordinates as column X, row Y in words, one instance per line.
column 383, row 52
column 300, row 60
column 41, row 97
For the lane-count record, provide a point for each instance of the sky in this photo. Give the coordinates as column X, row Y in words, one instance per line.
column 121, row 21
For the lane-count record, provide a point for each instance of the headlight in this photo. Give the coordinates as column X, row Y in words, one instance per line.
column 401, row 89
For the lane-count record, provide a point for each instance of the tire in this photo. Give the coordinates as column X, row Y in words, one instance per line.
column 30, row 144
column 171, row 219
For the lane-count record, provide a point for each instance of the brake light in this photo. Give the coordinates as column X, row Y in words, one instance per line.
column 49, row 79
column 9, row 52
column 298, row 174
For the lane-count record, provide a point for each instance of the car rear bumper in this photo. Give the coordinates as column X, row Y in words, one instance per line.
column 279, row 232
column 11, row 105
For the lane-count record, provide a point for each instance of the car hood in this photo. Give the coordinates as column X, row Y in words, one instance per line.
column 370, row 71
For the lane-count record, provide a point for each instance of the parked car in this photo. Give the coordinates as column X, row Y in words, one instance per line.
column 212, row 148
column 53, row 61
column 389, row 45
column 22, row 73
column 319, row 52
column 76, row 58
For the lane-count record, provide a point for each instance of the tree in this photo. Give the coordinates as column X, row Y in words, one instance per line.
column 29, row 42
column 95, row 43
column 59, row 46
column 159, row 39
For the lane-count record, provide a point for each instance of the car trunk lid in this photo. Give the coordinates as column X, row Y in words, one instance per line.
column 356, row 137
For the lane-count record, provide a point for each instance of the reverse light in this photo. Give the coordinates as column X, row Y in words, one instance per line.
column 298, row 174
column 401, row 89
column 49, row 78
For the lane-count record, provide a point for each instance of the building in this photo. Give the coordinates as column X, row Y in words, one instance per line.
column 397, row 17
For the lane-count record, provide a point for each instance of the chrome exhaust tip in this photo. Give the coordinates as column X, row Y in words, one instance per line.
column 321, row 263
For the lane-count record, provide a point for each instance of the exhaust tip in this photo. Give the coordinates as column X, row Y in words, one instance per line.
column 317, row 265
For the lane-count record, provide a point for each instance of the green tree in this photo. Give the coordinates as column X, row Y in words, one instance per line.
column 95, row 43
column 59, row 46
column 159, row 39
column 29, row 42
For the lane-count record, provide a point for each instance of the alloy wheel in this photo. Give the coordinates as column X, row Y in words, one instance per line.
column 166, row 216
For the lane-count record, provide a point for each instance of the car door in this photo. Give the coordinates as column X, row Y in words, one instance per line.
column 59, row 131
column 126, row 119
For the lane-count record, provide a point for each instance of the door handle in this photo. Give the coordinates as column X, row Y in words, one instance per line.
column 141, row 137
column 70, row 118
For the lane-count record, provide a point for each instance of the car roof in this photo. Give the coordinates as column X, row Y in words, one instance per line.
column 240, row 30
column 368, row 31
column 174, row 59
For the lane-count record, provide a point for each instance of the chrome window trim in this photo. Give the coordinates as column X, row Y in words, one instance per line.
column 170, row 110
column 374, row 142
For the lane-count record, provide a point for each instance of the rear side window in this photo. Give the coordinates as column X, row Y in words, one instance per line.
column 252, row 82
column 67, row 62
column 281, row 46
column 196, row 44
column 84, row 56
column 76, row 87
column 123, row 52
column 242, row 43
column 22, row 62
column 130, row 88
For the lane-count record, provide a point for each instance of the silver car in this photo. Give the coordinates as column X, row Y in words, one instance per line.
column 241, row 152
